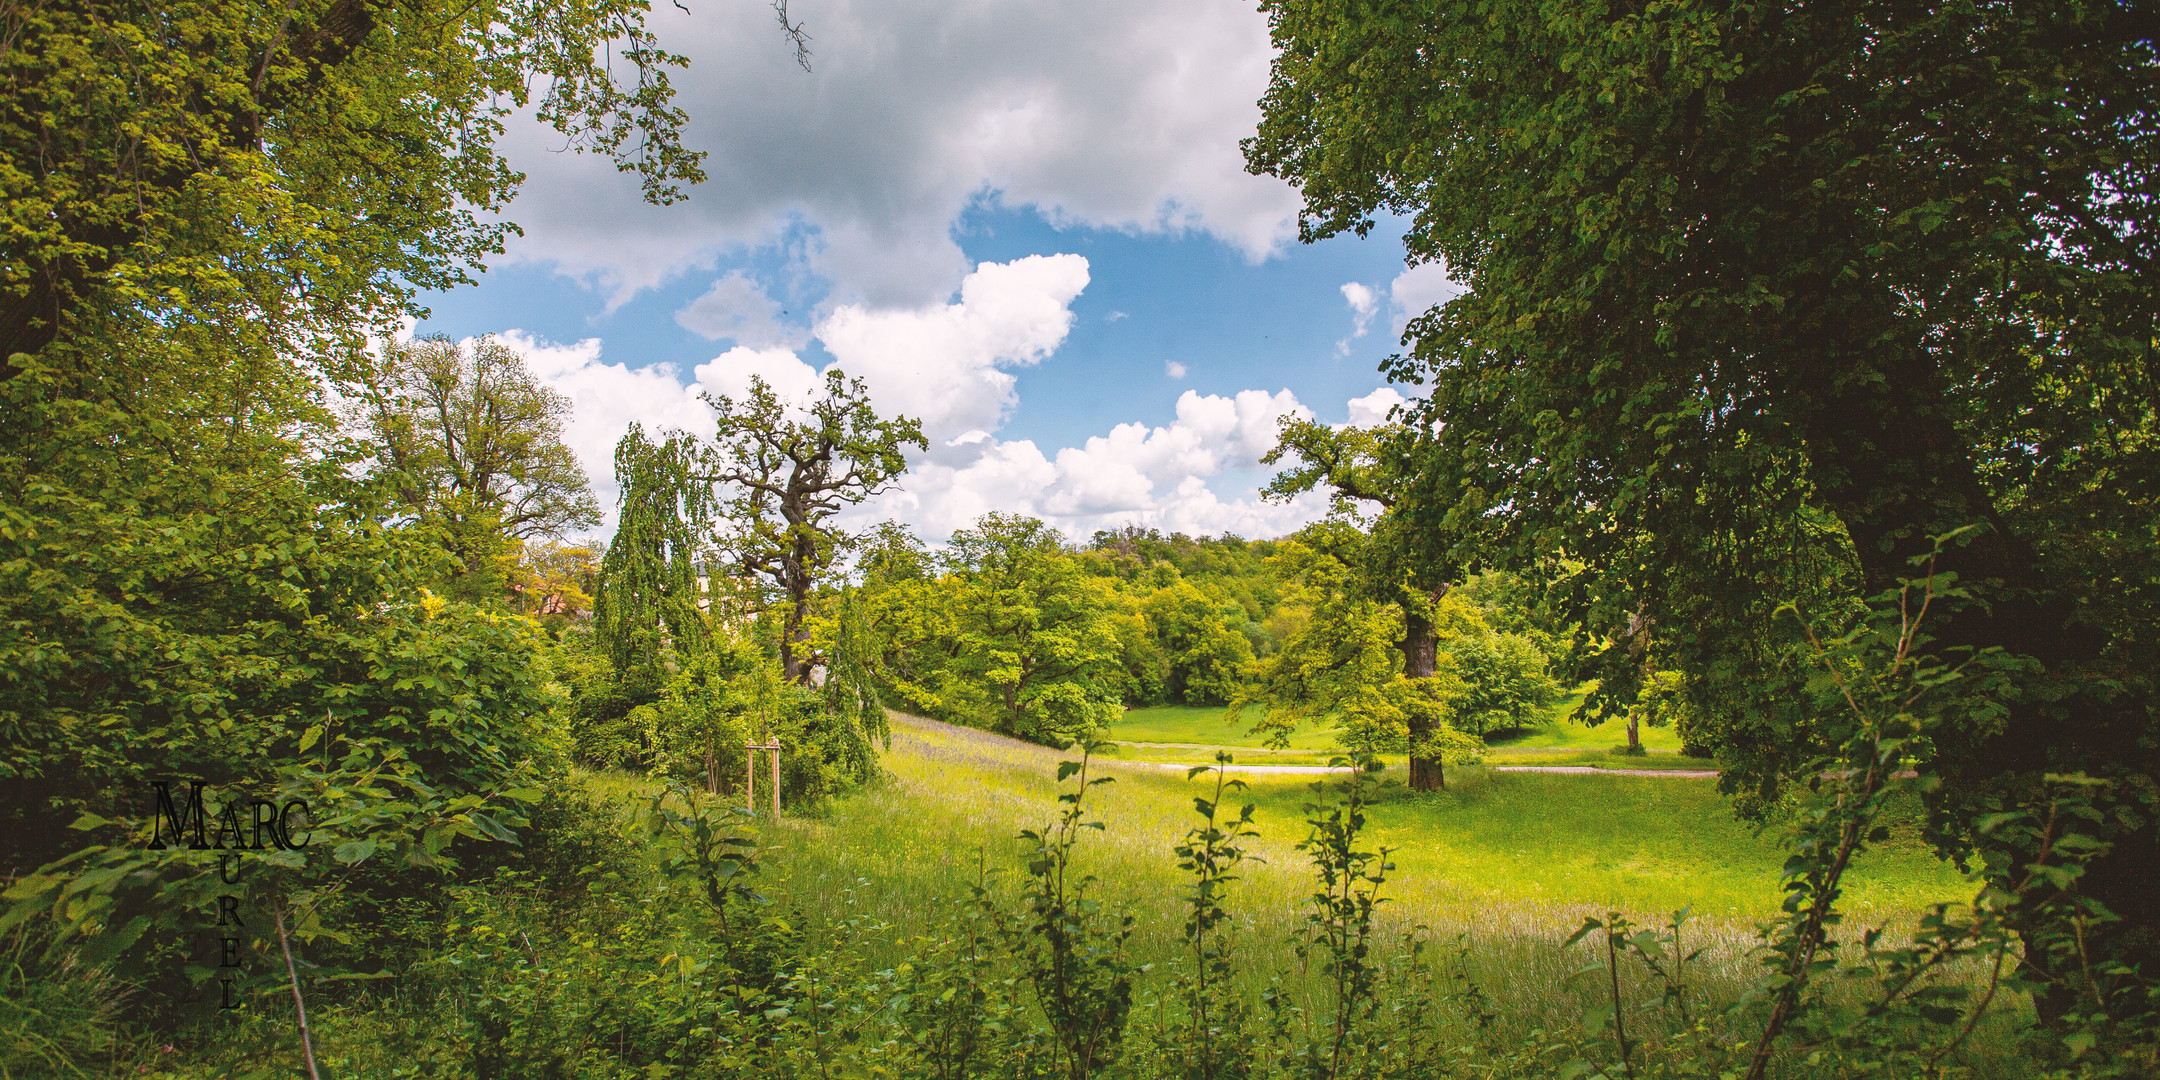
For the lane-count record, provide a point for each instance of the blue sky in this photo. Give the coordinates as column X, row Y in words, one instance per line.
column 1053, row 257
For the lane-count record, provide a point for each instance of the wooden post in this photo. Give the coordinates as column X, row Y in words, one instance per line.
column 750, row 771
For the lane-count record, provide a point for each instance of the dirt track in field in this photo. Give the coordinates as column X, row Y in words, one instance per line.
column 1690, row 774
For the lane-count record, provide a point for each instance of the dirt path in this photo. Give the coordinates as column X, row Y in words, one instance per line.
column 1691, row 774
column 967, row 736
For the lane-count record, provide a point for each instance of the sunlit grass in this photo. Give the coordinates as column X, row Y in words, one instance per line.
column 1513, row 860
column 1192, row 734
column 1210, row 725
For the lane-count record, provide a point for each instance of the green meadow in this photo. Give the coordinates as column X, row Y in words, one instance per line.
column 1513, row 861
column 1189, row 733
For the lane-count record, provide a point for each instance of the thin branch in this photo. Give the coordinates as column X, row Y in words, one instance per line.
column 795, row 33
column 307, row 1042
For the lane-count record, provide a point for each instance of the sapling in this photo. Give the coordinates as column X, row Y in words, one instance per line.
column 1339, row 919
column 1215, row 1045
column 1072, row 950
column 1883, row 701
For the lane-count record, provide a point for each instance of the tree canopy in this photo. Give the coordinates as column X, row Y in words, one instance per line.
column 207, row 207
column 1399, row 559
column 1036, row 646
column 1762, row 301
column 258, row 174
column 472, row 444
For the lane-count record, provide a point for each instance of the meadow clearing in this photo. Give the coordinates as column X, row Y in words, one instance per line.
column 1510, row 861
column 1193, row 733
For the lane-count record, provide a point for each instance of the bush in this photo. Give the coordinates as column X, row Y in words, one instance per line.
column 1505, row 681
column 732, row 693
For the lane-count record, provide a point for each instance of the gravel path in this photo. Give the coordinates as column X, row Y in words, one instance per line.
column 1692, row 774
column 966, row 736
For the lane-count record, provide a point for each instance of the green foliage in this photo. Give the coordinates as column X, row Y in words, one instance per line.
column 167, row 623
column 1214, row 1043
column 601, row 699
column 957, row 1017
column 1233, row 564
column 853, row 706
column 1346, row 664
column 1402, row 561
column 1341, row 664
column 1071, row 949
column 293, row 173
column 194, row 586
column 1339, row 922
column 717, row 699
column 167, row 607
column 702, row 843
column 1504, row 678
column 471, row 445
column 1757, row 304
column 648, row 595
column 55, row 1017
column 1035, row 652
column 187, row 607
column 1204, row 659
column 652, row 944
column 120, row 905
column 733, row 693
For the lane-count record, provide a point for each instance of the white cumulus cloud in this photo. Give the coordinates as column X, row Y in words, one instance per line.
column 1417, row 289
column 737, row 307
column 729, row 374
column 605, row 398
column 948, row 364
column 1372, row 409
column 1136, row 475
column 1363, row 303
column 1120, row 113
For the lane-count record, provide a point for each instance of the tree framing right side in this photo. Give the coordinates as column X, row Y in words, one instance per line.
column 1762, row 300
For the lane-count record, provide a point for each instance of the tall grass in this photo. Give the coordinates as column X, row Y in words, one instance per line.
column 1512, row 861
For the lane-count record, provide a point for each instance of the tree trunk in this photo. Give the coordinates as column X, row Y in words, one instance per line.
column 794, row 657
column 1421, row 659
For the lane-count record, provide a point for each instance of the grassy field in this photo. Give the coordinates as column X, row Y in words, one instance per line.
column 1512, row 859
column 1187, row 733
column 1510, row 862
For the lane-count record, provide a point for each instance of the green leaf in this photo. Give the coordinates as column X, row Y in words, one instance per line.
column 353, row 852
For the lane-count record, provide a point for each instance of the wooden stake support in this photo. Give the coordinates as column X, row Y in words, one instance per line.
column 750, row 770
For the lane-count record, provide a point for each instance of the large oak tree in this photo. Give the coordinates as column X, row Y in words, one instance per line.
column 781, row 470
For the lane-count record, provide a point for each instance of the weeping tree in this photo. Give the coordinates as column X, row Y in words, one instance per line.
column 852, row 703
column 760, row 498
column 649, row 595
